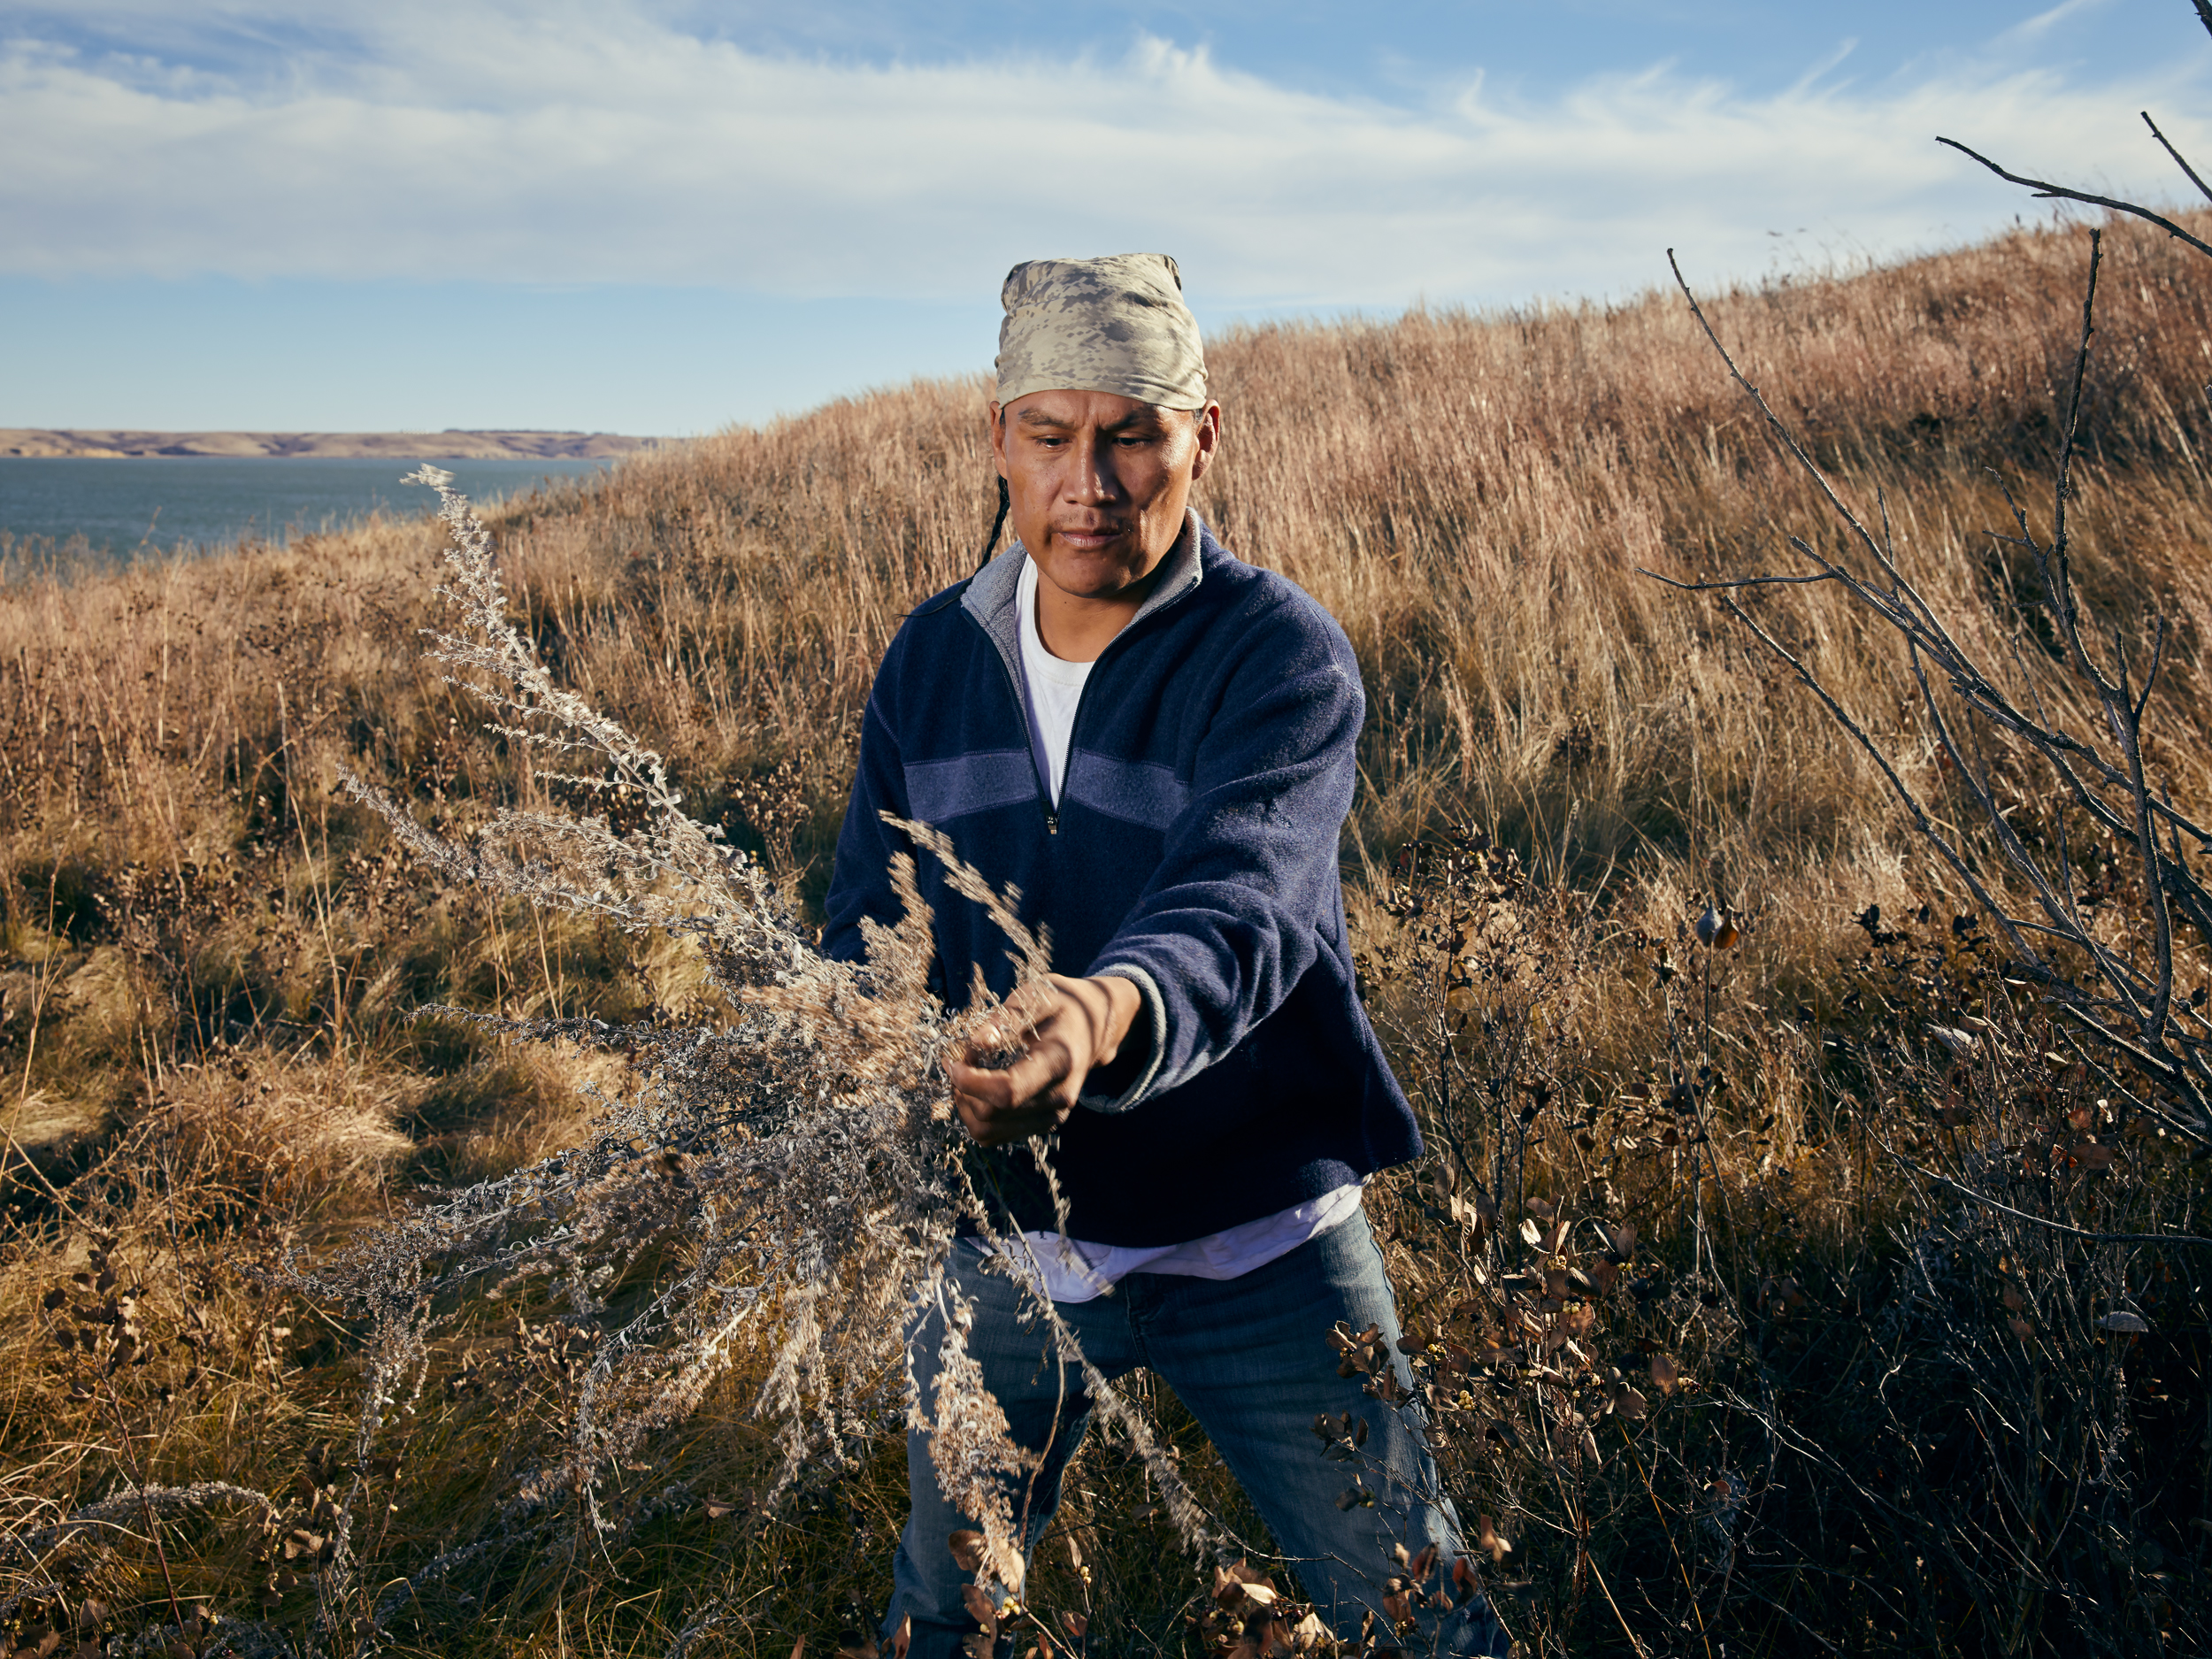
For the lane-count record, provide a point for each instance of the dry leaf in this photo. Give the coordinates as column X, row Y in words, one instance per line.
column 981, row 1608
column 1486, row 1538
column 1960, row 1043
column 967, row 1550
column 1664, row 1372
column 1243, row 1579
column 1476, row 1216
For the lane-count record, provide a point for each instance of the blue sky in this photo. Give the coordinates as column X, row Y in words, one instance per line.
column 665, row 216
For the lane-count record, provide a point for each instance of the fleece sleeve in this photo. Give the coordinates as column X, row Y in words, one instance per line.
column 860, row 881
column 1232, row 918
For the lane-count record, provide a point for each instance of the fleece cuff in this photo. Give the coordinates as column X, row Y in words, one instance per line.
column 1153, row 1021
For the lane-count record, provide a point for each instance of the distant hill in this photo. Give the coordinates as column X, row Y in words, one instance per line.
column 450, row 444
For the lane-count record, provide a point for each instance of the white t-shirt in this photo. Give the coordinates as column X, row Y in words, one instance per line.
column 1074, row 1270
column 1054, row 688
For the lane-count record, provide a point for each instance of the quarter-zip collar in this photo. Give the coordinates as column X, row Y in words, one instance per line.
column 990, row 593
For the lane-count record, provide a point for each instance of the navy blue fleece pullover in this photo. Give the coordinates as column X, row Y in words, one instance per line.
column 1194, row 850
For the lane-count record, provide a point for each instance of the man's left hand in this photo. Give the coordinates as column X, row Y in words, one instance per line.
column 1064, row 1029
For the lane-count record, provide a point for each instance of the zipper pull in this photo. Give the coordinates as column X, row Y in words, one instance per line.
column 1052, row 823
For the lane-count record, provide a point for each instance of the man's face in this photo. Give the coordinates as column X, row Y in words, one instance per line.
column 1099, row 483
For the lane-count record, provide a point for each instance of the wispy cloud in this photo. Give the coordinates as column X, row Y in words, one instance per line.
column 2043, row 22
column 1828, row 60
column 604, row 143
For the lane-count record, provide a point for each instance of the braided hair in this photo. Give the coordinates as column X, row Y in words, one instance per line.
column 1005, row 502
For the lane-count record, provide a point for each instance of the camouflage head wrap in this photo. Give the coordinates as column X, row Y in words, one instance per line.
column 1116, row 325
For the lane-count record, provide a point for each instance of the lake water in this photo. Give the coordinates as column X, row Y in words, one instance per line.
column 135, row 506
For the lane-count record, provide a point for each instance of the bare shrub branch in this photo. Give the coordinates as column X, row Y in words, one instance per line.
column 2126, row 1002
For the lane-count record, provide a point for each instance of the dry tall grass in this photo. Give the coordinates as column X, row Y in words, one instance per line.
column 208, row 956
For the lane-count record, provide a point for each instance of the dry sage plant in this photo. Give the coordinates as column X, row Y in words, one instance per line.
column 780, row 1188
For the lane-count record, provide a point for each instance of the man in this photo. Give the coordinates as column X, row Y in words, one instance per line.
column 1154, row 742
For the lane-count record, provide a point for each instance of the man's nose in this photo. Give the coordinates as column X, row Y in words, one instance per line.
column 1095, row 479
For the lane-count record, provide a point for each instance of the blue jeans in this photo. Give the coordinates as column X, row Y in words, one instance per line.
column 1250, row 1358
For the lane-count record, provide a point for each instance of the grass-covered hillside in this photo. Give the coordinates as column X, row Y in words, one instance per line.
column 1800, row 1390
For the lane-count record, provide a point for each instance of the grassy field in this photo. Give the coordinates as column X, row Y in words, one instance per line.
column 1815, row 1397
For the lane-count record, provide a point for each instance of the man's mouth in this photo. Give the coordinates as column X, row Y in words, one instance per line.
column 1097, row 536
